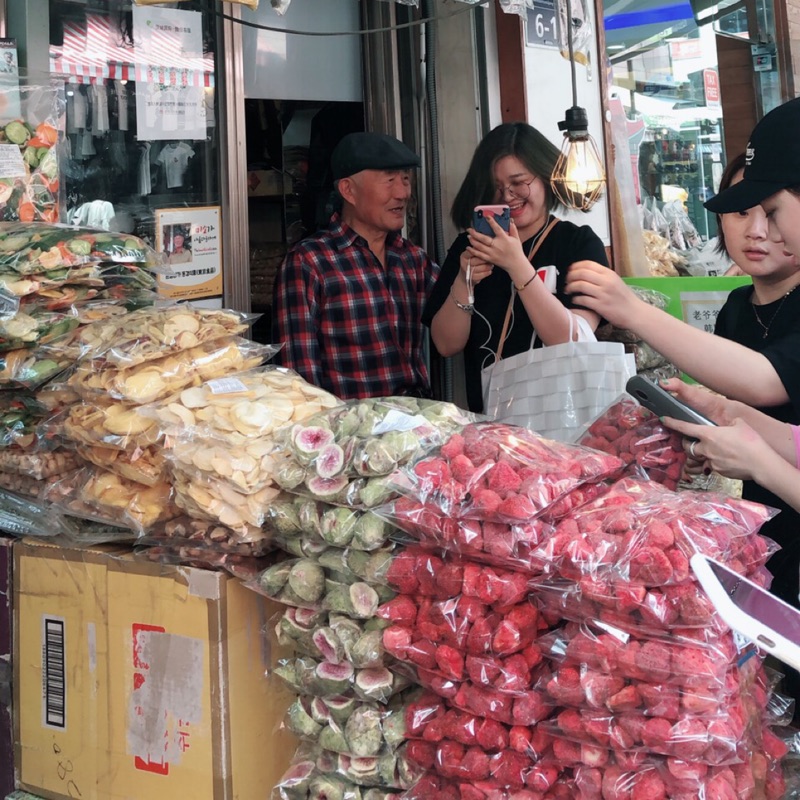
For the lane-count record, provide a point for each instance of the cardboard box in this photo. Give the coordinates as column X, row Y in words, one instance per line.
column 136, row 680
column 6, row 727
column 268, row 183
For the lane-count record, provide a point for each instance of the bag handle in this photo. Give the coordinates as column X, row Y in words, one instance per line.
column 504, row 332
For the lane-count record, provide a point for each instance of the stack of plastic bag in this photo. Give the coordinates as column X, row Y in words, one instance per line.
column 146, row 355
column 221, row 453
column 352, row 698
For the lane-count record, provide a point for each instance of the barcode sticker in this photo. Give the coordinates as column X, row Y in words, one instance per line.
column 226, row 386
column 54, row 686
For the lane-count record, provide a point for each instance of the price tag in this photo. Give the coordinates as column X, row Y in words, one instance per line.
column 11, row 163
column 226, row 386
column 700, row 309
column 542, row 24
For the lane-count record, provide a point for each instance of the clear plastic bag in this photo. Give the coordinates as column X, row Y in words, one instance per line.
column 110, row 424
column 345, row 455
column 143, row 465
column 32, row 192
column 325, row 679
column 153, row 333
column 35, row 329
column 35, row 248
column 37, row 464
column 27, row 517
column 243, row 567
column 202, row 535
column 161, row 378
column 635, row 435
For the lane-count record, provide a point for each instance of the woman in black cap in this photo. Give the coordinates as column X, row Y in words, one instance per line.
column 512, row 165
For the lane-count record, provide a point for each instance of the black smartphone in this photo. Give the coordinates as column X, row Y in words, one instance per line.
column 661, row 402
column 501, row 214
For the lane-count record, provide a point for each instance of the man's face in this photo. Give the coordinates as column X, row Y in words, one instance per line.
column 178, row 241
column 783, row 214
column 380, row 197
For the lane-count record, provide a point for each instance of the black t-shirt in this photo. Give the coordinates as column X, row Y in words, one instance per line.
column 565, row 244
column 781, row 346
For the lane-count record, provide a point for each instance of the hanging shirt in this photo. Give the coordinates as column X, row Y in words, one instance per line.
column 175, row 158
column 99, row 109
column 145, row 182
column 122, row 105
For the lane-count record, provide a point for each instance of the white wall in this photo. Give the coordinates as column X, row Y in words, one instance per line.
column 549, row 95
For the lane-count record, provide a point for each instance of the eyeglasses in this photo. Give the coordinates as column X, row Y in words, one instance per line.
column 520, row 189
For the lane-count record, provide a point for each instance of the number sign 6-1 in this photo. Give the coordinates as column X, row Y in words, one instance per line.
column 541, row 24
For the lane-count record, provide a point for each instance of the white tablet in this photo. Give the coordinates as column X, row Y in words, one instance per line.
column 762, row 618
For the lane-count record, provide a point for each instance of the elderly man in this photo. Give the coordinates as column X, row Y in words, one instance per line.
column 348, row 300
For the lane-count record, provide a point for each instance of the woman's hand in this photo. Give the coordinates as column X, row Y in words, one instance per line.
column 715, row 407
column 503, row 249
column 600, row 289
column 735, row 450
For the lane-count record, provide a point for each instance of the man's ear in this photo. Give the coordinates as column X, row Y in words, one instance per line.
column 347, row 189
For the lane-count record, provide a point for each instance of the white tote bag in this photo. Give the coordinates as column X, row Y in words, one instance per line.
column 557, row 391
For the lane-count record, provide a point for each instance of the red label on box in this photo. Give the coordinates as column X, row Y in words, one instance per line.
column 140, row 669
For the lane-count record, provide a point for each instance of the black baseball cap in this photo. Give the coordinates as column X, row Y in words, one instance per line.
column 772, row 161
column 359, row 151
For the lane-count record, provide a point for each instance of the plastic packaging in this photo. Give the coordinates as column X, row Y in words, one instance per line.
column 334, row 637
column 29, row 249
column 635, row 435
column 30, row 369
column 38, row 328
column 199, row 534
column 303, row 526
column 345, row 455
column 164, row 377
column 23, row 517
column 326, row 679
column 142, row 465
column 348, row 726
column 304, row 583
column 243, row 567
column 22, row 484
column 644, row 533
column 153, row 333
column 37, row 465
column 106, row 424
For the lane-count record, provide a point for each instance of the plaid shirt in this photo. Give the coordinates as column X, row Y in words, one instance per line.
column 347, row 324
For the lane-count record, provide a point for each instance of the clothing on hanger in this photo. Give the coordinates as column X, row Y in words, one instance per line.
column 145, row 181
column 99, row 108
column 175, row 159
column 121, row 91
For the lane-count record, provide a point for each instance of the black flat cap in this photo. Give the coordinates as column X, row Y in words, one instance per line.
column 359, row 151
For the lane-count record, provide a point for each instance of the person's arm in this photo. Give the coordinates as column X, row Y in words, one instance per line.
column 719, row 363
column 548, row 315
column 778, row 435
column 737, row 451
column 296, row 314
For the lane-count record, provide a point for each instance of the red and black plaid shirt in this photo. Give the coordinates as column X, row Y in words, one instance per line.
column 347, row 324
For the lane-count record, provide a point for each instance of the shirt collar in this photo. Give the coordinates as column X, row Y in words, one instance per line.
column 344, row 236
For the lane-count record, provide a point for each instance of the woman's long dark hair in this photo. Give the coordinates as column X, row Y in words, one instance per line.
column 535, row 151
column 725, row 181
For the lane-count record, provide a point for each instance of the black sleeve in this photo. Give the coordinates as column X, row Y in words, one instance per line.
column 447, row 276
column 784, row 355
column 576, row 244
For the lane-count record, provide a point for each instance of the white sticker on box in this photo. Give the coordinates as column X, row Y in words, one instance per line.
column 11, row 163
column 398, row 421
column 54, row 673
column 226, row 386
column 166, row 702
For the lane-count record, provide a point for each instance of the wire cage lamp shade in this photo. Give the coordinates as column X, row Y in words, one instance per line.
column 578, row 179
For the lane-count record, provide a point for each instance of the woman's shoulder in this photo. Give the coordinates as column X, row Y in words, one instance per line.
column 578, row 242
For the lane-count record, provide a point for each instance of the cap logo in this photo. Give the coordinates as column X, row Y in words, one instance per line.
column 749, row 155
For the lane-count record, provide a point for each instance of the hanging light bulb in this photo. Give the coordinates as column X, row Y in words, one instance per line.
column 578, row 179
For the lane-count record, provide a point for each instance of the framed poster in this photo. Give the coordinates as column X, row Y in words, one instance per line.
column 191, row 240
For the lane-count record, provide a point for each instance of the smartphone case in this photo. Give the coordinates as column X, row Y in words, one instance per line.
column 661, row 402
column 481, row 225
column 757, row 629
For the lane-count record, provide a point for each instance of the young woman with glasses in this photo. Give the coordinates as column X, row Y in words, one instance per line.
column 511, row 166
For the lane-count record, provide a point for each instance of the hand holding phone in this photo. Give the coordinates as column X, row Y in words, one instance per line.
column 501, row 214
column 662, row 403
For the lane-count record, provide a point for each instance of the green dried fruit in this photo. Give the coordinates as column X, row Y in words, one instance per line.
column 332, row 738
column 370, row 531
column 338, row 525
column 376, row 491
column 307, row 580
column 300, row 721
column 273, row 580
column 363, row 731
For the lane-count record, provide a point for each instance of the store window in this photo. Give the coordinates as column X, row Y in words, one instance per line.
column 668, row 78
column 141, row 149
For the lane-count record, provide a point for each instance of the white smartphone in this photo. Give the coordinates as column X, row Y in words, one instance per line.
column 768, row 622
column 661, row 402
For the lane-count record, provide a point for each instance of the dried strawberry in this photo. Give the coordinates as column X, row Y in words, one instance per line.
column 449, row 756
column 453, row 447
column 660, row 700
column 517, row 507
column 434, row 730
column 566, row 752
column 718, row 788
column 423, row 653
column 566, row 686
column 514, row 675
column 476, row 765
column 650, row 566
column 450, row 580
column 397, row 640
column 509, row 769
column 689, row 739
column 598, row 688
column 507, row 638
column 463, row 470
column 513, row 589
column 491, row 735
column 402, row 610
column 542, row 777
column 450, row 662
column 532, row 655
column 482, row 671
column 649, row 786
column 594, row 756
column 616, row 785
column 519, row 738
column 529, row 709
column 656, row 734
column 503, row 479
column 402, row 573
column 486, row 501
column 470, row 608
column 680, row 565
column 653, row 659
column 421, row 753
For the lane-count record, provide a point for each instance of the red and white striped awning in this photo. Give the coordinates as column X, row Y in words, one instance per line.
column 93, row 51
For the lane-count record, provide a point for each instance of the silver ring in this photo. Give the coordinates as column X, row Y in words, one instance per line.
column 691, row 449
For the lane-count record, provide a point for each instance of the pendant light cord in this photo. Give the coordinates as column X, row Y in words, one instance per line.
column 571, row 55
